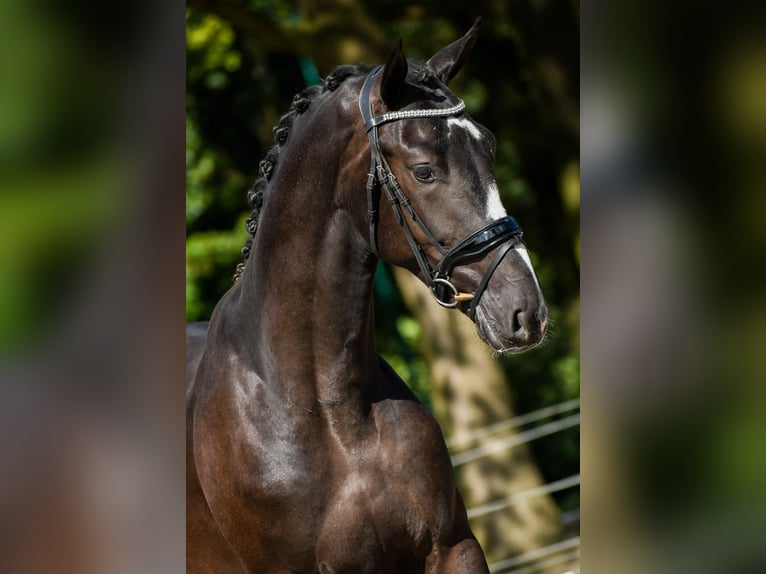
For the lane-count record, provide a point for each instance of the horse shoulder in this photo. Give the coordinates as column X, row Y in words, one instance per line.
column 207, row 549
column 405, row 427
column 411, row 440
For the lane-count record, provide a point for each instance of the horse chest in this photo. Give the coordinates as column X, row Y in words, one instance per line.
column 388, row 502
column 364, row 465
column 348, row 496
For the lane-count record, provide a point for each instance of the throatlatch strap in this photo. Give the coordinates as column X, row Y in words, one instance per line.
column 373, row 198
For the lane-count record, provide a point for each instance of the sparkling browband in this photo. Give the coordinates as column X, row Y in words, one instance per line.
column 405, row 114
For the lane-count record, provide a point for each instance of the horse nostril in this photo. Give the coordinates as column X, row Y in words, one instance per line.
column 517, row 321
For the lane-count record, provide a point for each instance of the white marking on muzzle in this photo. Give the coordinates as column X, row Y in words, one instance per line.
column 495, row 211
column 524, row 254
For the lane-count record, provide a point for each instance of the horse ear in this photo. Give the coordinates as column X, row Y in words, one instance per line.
column 446, row 63
column 394, row 74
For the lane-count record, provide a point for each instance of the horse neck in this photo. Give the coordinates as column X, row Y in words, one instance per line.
column 308, row 282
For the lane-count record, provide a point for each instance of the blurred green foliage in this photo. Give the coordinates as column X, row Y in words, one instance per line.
column 58, row 169
column 246, row 60
column 215, row 180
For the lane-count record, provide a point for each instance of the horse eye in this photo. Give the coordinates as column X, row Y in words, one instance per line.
column 424, row 173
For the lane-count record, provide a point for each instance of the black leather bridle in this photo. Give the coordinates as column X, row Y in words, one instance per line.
column 503, row 233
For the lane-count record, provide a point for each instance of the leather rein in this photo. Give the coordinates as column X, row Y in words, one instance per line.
column 503, row 233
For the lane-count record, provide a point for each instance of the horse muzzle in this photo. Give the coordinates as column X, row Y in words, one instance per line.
column 512, row 316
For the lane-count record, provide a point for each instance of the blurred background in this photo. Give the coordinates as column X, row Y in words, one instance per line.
column 511, row 423
column 91, row 277
column 673, row 193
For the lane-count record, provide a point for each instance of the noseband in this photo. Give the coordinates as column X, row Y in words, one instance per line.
column 503, row 233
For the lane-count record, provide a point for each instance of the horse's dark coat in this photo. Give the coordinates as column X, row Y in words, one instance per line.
column 305, row 451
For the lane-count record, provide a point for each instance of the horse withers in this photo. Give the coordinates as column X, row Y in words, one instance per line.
column 305, row 451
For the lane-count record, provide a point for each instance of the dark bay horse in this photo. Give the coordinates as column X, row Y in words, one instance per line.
column 305, row 451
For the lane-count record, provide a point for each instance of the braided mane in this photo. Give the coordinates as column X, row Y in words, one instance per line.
column 418, row 73
column 281, row 132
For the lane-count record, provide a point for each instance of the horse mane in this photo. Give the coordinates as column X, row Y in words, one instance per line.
column 281, row 132
column 418, row 73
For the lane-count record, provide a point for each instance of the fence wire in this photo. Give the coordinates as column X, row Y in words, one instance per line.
column 512, row 499
column 555, row 554
column 536, row 555
column 511, row 423
column 499, row 445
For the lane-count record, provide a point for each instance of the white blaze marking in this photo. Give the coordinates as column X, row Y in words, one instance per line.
column 494, row 206
column 524, row 254
column 466, row 124
column 495, row 209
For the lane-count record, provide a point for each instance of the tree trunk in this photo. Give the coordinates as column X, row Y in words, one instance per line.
column 470, row 391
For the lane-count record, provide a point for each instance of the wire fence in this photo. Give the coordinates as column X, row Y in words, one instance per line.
column 498, row 445
column 554, row 556
column 512, row 499
column 511, row 423
column 558, row 554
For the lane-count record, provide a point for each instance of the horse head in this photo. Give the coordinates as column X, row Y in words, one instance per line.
column 434, row 165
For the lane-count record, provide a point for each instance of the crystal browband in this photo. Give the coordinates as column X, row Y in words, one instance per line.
column 405, row 114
